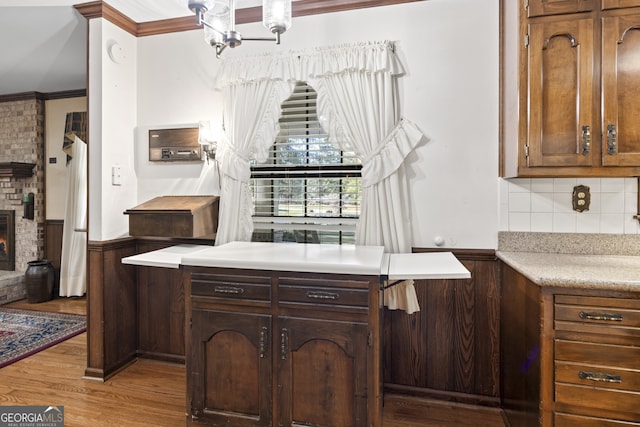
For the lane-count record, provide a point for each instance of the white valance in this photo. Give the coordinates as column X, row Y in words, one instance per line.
column 306, row 64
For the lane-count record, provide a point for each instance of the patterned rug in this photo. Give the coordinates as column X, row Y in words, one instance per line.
column 25, row 332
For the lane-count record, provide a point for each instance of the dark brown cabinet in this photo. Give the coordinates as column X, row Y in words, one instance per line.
column 569, row 356
column 554, row 7
column 573, row 77
column 231, row 354
column 282, row 349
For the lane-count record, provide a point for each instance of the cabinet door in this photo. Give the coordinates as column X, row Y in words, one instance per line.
column 616, row 4
column 621, row 90
column 229, row 369
column 555, row 7
column 561, row 91
column 323, row 373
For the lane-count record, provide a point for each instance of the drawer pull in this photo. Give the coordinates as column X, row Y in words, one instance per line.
column 601, row 377
column 228, row 290
column 323, row 295
column 601, row 316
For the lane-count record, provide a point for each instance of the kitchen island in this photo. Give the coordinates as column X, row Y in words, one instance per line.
column 287, row 334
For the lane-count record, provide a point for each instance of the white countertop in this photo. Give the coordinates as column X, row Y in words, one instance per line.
column 426, row 265
column 170, row 257
column 314, row 258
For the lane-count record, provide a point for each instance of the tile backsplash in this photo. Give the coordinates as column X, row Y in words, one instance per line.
column 544, row 205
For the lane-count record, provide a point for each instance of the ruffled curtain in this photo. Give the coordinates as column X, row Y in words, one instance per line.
column 251, row 111
column 358, row 105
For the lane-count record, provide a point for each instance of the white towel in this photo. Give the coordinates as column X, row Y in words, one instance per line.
column 401, row 296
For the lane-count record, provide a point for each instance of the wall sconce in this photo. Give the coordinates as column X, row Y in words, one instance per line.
column 207, row 139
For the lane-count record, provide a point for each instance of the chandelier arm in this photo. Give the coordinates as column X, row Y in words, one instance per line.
column 264, row 39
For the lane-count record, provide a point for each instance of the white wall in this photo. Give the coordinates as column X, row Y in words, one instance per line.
column 56, row 173
column 450, row 90
column 112, row 118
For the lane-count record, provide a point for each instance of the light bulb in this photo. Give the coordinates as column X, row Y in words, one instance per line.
column 276, row 15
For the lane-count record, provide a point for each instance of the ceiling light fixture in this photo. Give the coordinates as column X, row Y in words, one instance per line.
column 218, row 18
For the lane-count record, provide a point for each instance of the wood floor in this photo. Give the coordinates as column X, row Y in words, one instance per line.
column 151, row 393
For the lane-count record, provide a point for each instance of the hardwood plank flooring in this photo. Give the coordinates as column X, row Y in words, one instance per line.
column 152, row 393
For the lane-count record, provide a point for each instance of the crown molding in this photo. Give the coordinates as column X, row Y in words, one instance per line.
column 99, row 9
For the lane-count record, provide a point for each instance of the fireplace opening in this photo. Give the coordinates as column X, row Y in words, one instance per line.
column 7, row 240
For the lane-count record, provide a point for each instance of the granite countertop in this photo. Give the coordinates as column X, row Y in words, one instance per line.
column 574, row 260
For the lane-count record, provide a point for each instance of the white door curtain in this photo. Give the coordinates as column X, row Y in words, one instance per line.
column 357, row 104
column 73, row 259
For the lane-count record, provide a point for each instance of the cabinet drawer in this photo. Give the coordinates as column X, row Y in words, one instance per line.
column 612, row 320
column 598, row 402
column 615, row 356
column 231, row 287
column 602, row 311
column 568, row 420
column 598, row 376
column 324, row 295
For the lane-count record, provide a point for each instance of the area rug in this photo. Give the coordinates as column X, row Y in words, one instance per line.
column 25, row 332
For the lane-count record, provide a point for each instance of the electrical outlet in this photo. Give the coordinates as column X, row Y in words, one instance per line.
column 581, row 198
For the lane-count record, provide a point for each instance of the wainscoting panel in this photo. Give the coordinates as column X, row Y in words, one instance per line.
column 111, row 307
column 53, row 248
column 450, row 348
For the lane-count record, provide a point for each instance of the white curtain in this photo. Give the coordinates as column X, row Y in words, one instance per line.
column 251, row 111
column 74, row 238
column 358, row 105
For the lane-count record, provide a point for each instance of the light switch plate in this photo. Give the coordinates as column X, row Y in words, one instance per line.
column 116, row 175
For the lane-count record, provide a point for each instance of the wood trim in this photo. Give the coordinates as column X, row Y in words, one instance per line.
column 78, row 93
column 164, row 26
column 464, row 254
column 449, row 396
column 25, row 96
column 22, row 96
column 107, row 245
column 16, row 170
column 99, row 9
column 111, row 307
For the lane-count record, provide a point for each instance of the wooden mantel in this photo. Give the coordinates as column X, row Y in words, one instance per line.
column 16, row 170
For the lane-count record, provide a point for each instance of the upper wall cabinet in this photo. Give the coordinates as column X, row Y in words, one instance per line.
column 555, row 7
column 614, row 4
column 570, row 88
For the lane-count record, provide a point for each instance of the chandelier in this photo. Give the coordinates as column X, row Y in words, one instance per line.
column 218, row 19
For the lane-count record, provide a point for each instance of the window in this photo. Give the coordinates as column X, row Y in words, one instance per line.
column 307, row 190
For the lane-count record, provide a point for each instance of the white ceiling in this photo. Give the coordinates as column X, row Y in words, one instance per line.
column 43, row 46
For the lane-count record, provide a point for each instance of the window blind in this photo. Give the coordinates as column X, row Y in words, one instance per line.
column 308, row 190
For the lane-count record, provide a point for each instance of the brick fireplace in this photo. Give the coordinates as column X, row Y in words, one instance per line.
column 22, row 141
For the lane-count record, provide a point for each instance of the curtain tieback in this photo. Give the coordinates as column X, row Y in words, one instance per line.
column 390, row 136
